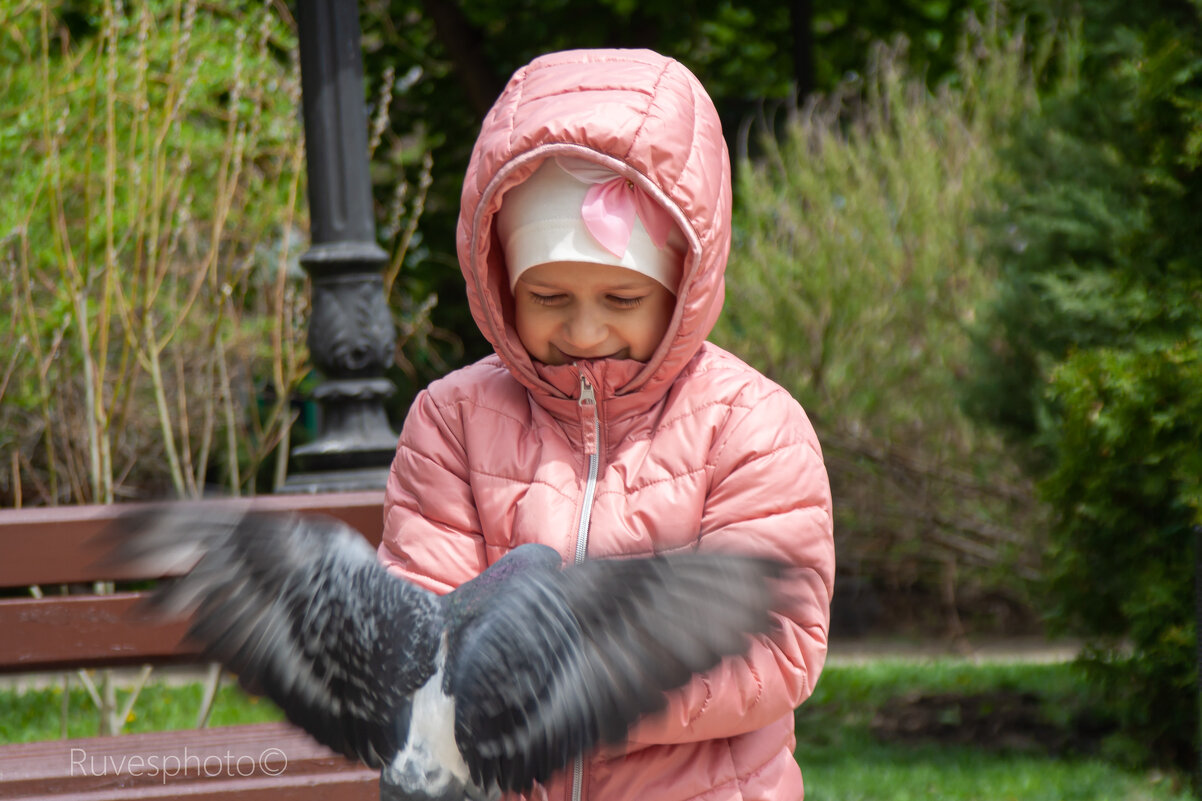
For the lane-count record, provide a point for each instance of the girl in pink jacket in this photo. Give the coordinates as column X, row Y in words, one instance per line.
column 594, row 230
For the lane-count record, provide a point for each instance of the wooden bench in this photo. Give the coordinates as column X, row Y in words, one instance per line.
column 53, row 546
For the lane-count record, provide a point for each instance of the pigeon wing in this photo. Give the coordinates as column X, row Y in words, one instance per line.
column 297, row 607
column 564, row 661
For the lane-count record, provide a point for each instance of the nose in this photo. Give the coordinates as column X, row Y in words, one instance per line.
column 585, row 330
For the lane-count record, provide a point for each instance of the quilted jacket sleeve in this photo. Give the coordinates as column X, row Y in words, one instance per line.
column 769, row 495
column 431, row 528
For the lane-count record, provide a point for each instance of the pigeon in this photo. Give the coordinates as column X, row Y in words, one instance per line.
column 490, row 688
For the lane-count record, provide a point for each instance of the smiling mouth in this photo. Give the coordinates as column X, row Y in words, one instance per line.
column 574, row 357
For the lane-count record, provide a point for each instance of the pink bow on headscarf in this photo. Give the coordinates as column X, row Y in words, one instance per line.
column 611, row 205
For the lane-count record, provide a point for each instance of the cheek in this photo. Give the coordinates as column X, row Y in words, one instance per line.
column 533, row 330
column 650, row 330
column 663, row 315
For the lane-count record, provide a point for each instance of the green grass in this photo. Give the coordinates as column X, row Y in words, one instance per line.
column 841, row 756
column 844, row 760
column 36, row 714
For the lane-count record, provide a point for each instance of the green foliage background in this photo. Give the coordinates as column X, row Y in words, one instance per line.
column 153, row 312
column 1089, row 356
column 150, row 166
column 854, row 275
column 465, row 51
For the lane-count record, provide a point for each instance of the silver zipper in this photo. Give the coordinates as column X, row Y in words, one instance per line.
column 588, row 408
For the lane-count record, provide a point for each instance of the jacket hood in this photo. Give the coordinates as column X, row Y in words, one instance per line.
column 647, row 118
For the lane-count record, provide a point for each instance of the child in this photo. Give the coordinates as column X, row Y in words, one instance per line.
column 593, row 233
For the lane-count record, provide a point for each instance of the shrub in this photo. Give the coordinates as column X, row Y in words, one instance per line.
column 853, row 276
column 1089, row 353
column 1127, row 487
column 153, row 160
column 151, row 311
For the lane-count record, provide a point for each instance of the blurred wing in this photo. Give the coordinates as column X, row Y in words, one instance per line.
column 300, row 609
column 564, row 661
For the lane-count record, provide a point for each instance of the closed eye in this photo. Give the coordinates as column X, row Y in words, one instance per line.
column 624, row 302
column 548, row 300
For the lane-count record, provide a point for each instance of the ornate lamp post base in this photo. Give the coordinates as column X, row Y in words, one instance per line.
column 357, row 444
column 351, row 339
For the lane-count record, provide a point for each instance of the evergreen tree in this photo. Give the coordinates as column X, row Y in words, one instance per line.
column 1090, row 354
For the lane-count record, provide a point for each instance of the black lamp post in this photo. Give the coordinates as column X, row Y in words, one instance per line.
column 351, row 337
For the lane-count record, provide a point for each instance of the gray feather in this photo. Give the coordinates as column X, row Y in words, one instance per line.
column 491, row 688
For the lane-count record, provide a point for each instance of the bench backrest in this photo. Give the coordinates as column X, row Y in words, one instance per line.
column 50, row 547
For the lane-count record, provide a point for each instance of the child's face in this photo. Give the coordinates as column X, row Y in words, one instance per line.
column 569, row 310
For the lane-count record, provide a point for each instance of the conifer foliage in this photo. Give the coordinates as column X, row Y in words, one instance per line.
column 1090, row 355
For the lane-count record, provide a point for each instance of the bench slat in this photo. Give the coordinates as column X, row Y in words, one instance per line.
column 363, row 786
column 318, row 787
column 53, row 633
column 52, row 545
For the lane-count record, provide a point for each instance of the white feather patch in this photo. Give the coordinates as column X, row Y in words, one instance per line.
column 430, row 760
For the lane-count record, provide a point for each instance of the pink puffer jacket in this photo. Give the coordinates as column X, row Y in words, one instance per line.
column 692, row 449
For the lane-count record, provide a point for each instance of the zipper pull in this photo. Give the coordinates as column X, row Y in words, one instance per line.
column 588, row 415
